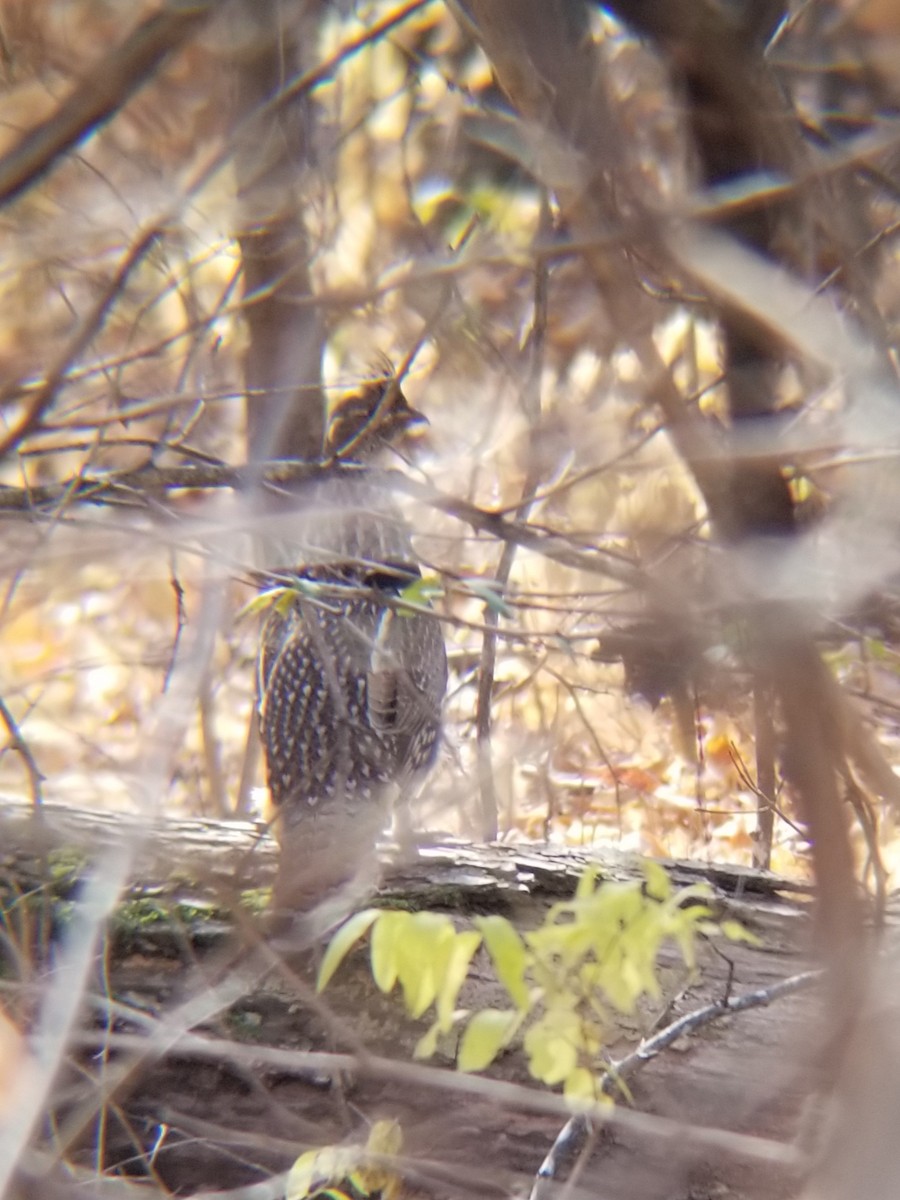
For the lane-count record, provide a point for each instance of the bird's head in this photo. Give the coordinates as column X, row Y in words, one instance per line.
column 377, row 418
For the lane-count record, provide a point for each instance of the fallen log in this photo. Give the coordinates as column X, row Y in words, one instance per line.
column 220, row 1063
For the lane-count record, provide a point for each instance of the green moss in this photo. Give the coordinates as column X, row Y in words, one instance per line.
column 194, row 912
column 256, row 900
column 143, row 912
column 67, row 866
column 245, row 1025
column 440, row 898
column 140, row 913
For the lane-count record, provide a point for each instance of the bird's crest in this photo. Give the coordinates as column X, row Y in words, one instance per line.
column 375, row 418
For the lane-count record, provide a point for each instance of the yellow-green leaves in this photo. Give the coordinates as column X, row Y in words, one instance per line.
column 552, row 1045
column 420, row 951
column 454, row 976
column 272, row 598
column 735, row 932
column 594, row 954
column 352, row 1170
column 344, row 941
column 420, row 593
column 509, row 956
column 425, row 954
column 280, row 597
column 489, row 591
column 486, row 1034
column 658, row 883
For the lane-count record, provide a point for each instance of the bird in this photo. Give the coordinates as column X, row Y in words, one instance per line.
column 351, row 673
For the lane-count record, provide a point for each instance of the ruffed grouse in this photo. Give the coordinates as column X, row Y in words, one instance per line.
column 351, row 682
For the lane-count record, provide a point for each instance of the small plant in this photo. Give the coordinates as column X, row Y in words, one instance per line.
column 593, row 955
column 349, row 1172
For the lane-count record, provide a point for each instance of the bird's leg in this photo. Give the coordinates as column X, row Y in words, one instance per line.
column 402, row 827
column 326, row 849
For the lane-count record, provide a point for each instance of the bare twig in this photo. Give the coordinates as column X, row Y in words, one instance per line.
column 527, row 1099
column 106, row 87
column 531, row 404
column 765, row 772
column 58, row 1014
column 136, row 486
column 88, row 329
column 574, row 1135
column 20, row 745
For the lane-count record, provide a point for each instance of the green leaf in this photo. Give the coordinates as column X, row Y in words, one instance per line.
column 552, row 1046
column 421, row 592
column 427, row 1043
column 251, row 608
column 457, row 968
column 509, row 956
column 587, row 884
column 485, row 1036
column 317, row 1169
column 343, row 942
column 488, row 591
column 423, row 954
column 659, row 885
column 387, row 935
column 261, row 602
column 695, row 891
column 580, row 1086
column 736, row 932
column 621, row 1087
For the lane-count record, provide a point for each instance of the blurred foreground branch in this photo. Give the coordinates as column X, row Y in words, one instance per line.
column 99, row 96
column 133, row 489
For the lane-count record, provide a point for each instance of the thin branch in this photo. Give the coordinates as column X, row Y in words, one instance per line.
column 21, row 747
column 574, row 1135
column 531, row 405
column 150, row 480
column 105, row 88
column 306, row 1063
column 88, row 329
column 56, row 1019
column 766, row 780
